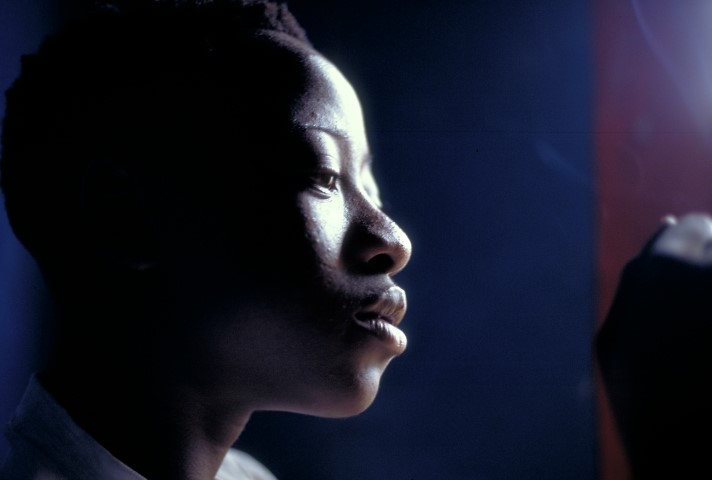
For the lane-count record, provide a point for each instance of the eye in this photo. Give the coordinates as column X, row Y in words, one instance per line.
column 325, row 179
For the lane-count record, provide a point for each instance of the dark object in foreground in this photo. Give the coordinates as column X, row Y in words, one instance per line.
column 655, row 356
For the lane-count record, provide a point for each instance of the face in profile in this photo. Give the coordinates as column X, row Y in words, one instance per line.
column 284, row 289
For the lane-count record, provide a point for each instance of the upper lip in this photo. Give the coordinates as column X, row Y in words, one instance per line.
column 389, row 306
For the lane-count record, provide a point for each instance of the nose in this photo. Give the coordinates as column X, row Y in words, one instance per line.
column 377, row 245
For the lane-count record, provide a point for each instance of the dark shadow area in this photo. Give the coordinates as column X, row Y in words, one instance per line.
column 479, row 116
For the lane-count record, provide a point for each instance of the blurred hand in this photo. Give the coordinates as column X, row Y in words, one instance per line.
column 655, row 352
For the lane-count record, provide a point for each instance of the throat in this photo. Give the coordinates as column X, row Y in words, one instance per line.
column 158, row 430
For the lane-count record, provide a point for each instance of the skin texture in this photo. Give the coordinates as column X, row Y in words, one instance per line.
column 247, row 298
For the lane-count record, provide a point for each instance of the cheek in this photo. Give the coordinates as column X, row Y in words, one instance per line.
column 326, row 222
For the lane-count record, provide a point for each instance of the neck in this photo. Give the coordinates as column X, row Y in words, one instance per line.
column 149, row 419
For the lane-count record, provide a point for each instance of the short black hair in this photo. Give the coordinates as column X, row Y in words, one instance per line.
column 151, row 81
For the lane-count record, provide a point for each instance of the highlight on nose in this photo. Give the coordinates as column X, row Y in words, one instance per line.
column 378, row 248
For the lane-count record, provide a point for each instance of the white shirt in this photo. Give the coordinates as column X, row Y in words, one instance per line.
column 46, row 444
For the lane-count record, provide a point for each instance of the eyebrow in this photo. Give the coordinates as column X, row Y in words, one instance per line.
column 366, row 160
column 331, row 131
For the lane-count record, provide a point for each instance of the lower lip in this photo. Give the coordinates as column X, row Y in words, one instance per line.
column 386, row 332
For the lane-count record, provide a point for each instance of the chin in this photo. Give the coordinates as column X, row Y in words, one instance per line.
column 348, row 396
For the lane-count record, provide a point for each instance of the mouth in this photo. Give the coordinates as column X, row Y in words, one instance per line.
column 381, row 318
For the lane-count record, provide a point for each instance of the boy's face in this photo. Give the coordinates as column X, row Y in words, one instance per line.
column 285, row 300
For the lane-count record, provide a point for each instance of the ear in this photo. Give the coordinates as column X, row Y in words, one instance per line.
column 119, row 230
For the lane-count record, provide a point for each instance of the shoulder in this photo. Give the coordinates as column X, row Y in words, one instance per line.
column 239, row 465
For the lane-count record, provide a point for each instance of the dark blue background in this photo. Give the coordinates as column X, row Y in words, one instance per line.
column 479, row 114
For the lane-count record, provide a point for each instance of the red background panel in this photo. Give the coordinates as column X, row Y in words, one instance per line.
column 653, row 119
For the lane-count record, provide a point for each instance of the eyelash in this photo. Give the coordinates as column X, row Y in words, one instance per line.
column 325, row 179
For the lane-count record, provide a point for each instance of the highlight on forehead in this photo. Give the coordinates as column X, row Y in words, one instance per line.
column 329, row 102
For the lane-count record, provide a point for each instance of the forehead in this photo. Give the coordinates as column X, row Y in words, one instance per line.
column 327, row 101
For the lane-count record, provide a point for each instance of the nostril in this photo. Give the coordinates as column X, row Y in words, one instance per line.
column 376, row 246
column 381, row 263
